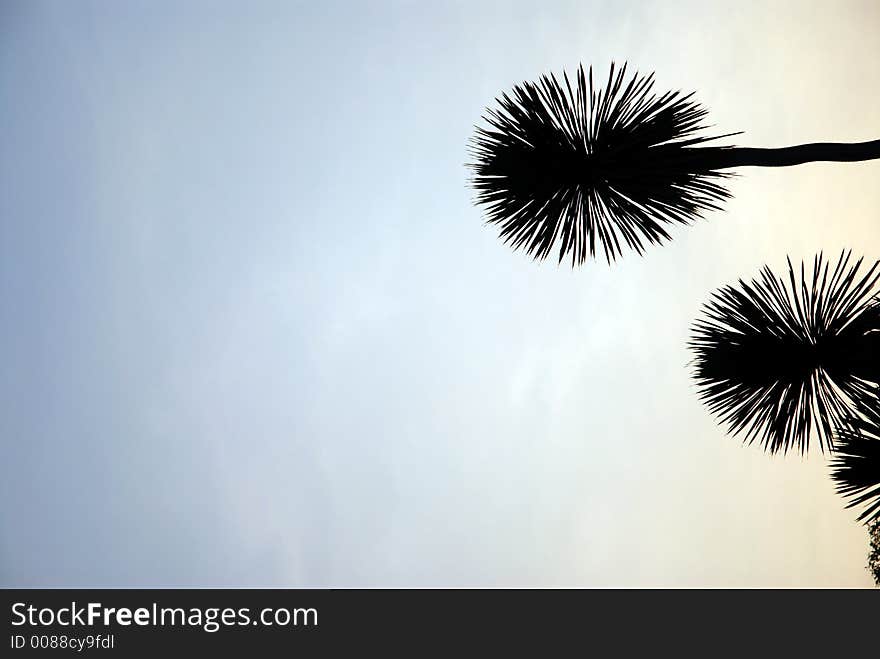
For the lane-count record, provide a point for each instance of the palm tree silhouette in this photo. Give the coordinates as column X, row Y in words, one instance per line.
column 856, row 467
column 775, row 359
column 580, row 167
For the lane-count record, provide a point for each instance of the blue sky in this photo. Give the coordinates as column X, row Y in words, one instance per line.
column 255, row 332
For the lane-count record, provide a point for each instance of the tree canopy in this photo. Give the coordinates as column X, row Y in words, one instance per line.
column 874, row 556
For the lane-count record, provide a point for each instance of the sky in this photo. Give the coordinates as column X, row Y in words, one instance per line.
column 254, row 331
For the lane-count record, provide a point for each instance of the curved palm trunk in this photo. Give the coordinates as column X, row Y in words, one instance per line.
column 726, row 157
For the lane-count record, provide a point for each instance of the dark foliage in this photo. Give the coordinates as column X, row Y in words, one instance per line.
column 874, row 555
column 580, row 167
column 856, row 467
column 776, row 360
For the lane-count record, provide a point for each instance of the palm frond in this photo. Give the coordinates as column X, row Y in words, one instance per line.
column 777, row 359
column 580, row 167
column 856, row 467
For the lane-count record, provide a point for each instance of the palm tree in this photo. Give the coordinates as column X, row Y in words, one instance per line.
column 775, row 359
column 579, row 167
column 857, row 464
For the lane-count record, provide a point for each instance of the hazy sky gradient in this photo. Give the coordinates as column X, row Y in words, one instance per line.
column 254, row 332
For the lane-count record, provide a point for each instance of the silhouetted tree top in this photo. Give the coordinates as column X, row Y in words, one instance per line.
column 856, row 466
column 874, row 555
column 580, row 167
column 778, row 358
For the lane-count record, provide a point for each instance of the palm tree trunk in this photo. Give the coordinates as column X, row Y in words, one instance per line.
column 724, row 158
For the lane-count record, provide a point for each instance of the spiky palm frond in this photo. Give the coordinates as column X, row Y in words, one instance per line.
column 580, row 167
column 856, row 467
column 775, row 359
